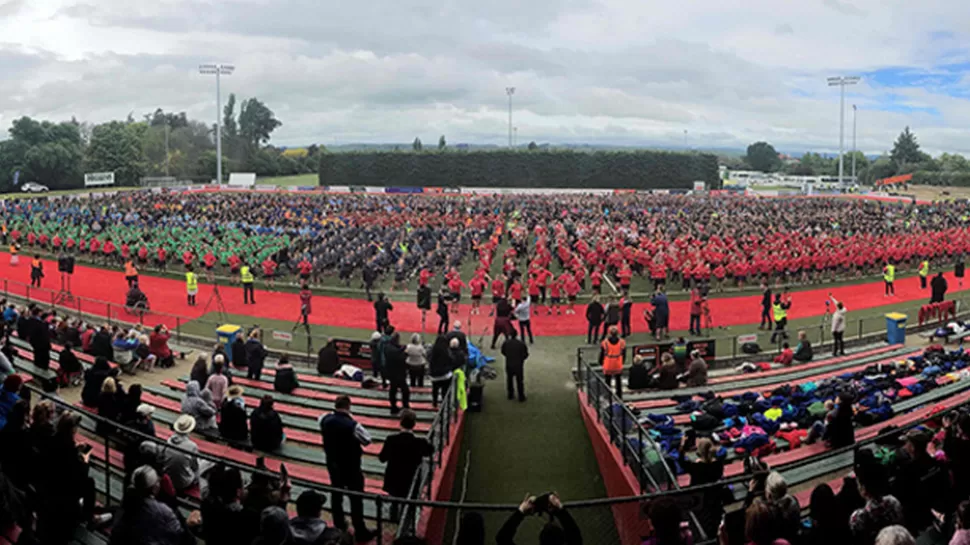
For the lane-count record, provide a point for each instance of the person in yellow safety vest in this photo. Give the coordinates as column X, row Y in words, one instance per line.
column 191, row 285
column 612, row 356
column 889, row 275
column 779, row 311
column 246, row 277
column 924, row 271
column 131, row 273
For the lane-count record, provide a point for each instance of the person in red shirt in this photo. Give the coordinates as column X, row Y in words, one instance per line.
column 658, row 273
column 209, row 260
column 142, row 254
column 269, row 271
column 455, row 286
column 125, row 251
column 306, row 268
column 70, row 244
column 187, row 258
column 624, row 276
column 515, row 290
column 719, row 274
column 498, row 293
column 534, row 291
column 31, row 239
column 555, row 297
column 93, row 247
column 596, row 280
column 160, row 257
column 572, row 290
column 543, row 277
column 477, row 285
column 424, row 277
column 108, row 250
column 56, row 242
column 234, row 264
column 42, row 240
column 306, row 297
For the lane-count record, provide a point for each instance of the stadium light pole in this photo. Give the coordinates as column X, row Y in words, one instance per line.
column 854, row 109
column 842, row 81
column 515, row 136
column 510, row 91
column 217, row 70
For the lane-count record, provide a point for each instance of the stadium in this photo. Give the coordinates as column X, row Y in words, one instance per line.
column 645, row 289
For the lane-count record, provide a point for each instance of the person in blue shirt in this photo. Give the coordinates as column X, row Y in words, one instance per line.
column 10, row 314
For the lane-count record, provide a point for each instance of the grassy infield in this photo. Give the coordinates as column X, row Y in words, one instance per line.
column 541, row 445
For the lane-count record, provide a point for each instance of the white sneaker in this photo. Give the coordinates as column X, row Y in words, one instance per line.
column 102, row 519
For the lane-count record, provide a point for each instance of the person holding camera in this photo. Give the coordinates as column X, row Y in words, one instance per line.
column 561, row 529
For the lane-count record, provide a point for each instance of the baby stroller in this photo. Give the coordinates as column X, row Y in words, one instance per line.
column 136, row 302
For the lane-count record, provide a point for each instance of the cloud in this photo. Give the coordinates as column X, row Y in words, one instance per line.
column 586, row 71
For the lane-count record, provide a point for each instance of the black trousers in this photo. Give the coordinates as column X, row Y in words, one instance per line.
column 838, row 343
column 417, row 376
column 618, row 384
column 514, row 378
column 254, row 372
column 779, row 330
column 354, row 482
column 625, row 329
column 526, row 326
column 248, row 293
column 592, row 333
column 439, row 387
column 890, row 288
column 442, row 324
column 400, row 383
column 695, row 324
column 922, row 282
column 765, row 316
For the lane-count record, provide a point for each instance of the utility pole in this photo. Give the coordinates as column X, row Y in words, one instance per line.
column 218, row 70
column 842, row 81
column 510, row 91
column 515, row 136
column 853, row 142
column 166, row 148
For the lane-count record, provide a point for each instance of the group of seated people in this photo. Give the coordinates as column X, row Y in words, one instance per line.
column 669, row 372
column 905, row 489
column 802, row 352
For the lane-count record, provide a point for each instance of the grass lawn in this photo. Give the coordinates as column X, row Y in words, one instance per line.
column 298, row 179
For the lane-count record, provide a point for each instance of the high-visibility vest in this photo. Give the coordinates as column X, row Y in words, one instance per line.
column 779, row 312
column 613, row 356
column 924, row 268
column 889, row 273
column 245, row 275
column 191, row 282
column 130, row 269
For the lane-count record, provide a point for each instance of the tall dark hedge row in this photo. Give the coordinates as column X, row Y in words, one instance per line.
column 506, row 168
column 958, row 179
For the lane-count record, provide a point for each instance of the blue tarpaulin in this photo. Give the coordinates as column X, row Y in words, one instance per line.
column 476, row 359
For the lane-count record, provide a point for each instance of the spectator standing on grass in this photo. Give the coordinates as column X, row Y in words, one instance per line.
column 560, row 530
column 594, row 317
column 523, row 315
column 938, row 287
column 661, row 314
column 515, row 352
column 403, row 453
column 838, row 327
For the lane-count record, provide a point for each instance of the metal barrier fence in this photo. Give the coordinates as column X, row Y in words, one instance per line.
column 376, row 507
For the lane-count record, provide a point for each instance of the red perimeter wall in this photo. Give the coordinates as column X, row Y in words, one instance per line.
column 433, row 521
column 617, row 477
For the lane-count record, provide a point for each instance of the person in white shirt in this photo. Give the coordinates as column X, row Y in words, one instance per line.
column 838, row 327
column 523, row 314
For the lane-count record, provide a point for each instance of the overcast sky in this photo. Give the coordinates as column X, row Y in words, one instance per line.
column 630, row 72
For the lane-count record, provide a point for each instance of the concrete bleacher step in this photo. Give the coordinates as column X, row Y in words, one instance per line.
column 301, row 451
column 755, row 380
column 337, row 386
column 324, row 399
column 311, row 408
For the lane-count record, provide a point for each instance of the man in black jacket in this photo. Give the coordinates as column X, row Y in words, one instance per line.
column 327, row 360
column 566, row 532
column 382, row 308
column 403, row 452
column 255, row 355
column 922, row 483
column 594, row 317
column 396, row 371
column 515, row 352
column 101, row 344
column 938, row 287
column 343, row 442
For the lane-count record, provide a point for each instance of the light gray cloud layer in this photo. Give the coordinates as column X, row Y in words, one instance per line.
column 598, row 71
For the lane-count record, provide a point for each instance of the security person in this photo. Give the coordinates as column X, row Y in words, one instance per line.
column 612, row 356
column 246, row 277
column 924, row 271
column 131, row 273
column 889, row 275
column 779, row 311
column 191, row 285
column 36, row 271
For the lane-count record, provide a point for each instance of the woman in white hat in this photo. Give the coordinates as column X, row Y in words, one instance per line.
column 179, row 463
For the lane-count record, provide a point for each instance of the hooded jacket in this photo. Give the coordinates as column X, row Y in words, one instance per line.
column 182, row 468
column 194, row 404
column 233, row 421
column 93, row 379
column 307, row 530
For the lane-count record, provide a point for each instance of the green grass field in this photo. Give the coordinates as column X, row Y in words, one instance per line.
column 299, row 179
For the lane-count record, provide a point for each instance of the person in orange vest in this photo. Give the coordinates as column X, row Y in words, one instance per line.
column 36, row 271
column 14, row 258
column 612, row 357
column 131, row 273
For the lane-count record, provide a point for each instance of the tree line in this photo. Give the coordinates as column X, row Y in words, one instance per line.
column 906, row 157
column 159, row 144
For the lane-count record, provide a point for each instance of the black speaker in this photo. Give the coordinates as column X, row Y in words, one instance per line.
column 65, row 264
column 424, row 298
column 476, row 397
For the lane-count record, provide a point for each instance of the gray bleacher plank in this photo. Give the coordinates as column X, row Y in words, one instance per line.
column 348, row 390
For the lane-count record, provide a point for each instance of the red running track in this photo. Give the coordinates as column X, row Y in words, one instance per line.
column 167, row 296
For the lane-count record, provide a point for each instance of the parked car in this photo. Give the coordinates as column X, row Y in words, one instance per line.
column 34, row 187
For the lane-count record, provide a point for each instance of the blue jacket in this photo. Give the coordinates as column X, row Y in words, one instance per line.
column 7, row 401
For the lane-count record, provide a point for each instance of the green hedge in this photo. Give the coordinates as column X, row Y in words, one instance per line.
column 925, row 177
column 507, row 168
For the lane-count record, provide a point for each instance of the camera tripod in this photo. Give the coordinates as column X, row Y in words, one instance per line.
column 217, row 298
column 64, row 295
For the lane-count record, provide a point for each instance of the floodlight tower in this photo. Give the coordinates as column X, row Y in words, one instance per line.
column 217, row 70
column 842, row 81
